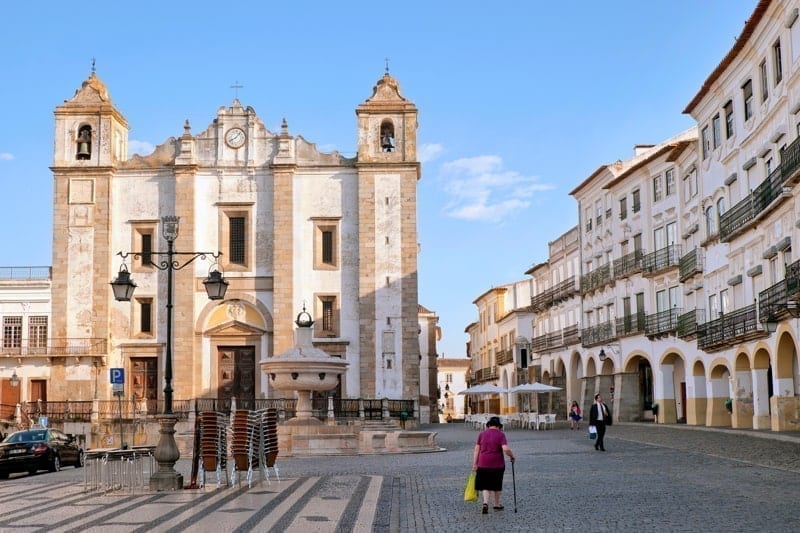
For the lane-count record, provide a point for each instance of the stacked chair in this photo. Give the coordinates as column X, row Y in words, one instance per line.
column 213, row 445
column 251, row 436
column 269, row 444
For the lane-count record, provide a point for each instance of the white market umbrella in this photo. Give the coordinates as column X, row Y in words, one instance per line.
column 483, row 388
column 534, row 387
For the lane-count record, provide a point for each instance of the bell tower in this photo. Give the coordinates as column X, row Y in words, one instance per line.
column 91, row 137
column 388, row 172
column 387, row 125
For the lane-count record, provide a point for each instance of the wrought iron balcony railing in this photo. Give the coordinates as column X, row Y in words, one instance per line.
column 628, row 264
column 595, row 279
column 688, row 322
column 667, row 257
column 504, row 356
column 690, row 264
column 781, row 299
column 594, row 335
column 754, row 204
column 662, row 322
column 631, row 324
column 27, row 273
column 559, row 292
column 54, row 347
column 729, row 329
column 485, row 374
column 555, row 340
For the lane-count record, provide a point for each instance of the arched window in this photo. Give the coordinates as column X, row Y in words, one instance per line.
column 84, row 143
column 711, row 224
column 387, row 136
column 720, row 207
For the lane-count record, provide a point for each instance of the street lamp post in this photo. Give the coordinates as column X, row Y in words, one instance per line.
column 167, row 453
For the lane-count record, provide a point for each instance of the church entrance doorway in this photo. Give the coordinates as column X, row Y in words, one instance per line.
column 144, row 383
column 236, row 375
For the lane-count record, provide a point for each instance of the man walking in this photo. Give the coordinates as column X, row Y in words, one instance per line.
column 599, row 417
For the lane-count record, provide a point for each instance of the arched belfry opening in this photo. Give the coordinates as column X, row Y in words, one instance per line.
column 387, row 136
column 84, row 143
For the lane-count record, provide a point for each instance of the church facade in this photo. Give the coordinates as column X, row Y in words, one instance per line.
column 297, row 229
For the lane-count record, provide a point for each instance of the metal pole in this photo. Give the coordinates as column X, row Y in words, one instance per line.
column 514, row 484
column 168, row 361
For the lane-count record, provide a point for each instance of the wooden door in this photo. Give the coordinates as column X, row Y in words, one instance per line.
column 9, row 398
column 236, row 376
column 144, row 382
column 38, row 390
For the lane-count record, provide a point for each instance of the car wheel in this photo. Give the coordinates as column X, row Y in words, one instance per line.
column 81, row 459
column 55, row 464
column 3, row 475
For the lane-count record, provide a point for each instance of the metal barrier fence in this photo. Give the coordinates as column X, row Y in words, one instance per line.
column 119, row 470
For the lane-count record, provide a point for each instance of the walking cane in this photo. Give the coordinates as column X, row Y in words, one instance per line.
column 514, row 484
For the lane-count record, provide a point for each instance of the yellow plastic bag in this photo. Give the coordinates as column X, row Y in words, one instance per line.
column 470, row 494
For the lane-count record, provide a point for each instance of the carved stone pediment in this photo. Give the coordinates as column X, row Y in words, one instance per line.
column 234, row 328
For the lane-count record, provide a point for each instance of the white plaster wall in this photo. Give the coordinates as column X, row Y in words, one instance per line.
column 389, row 382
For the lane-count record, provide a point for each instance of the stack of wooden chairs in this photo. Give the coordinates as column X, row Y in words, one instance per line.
column 213, row 445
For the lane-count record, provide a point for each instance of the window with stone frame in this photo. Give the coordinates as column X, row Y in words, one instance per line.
column 144, row 243
column 236, row 237
column 658, row 188
column 716, row 131
column 747, row 99
column 144, row 317
column 777, row 61
column 763, row 79
column 37, row 331
column 669, row 182
column 12, row 331
column 729, row 124
column 326, row 243
column 326, row 323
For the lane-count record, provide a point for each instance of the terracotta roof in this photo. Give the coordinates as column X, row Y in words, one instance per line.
column 741, row 41
column 673, row 150
column 588, row 180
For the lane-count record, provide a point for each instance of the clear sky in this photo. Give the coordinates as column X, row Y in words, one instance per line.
column 518, row 103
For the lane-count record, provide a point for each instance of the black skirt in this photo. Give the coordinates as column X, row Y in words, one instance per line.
column 489, row 479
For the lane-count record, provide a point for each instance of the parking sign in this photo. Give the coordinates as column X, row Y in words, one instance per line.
column 117, row 376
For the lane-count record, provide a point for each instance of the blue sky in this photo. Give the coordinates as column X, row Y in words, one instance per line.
column 518, row 103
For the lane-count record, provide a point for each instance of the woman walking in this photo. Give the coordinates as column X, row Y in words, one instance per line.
column 575, row 415
column 489, row 464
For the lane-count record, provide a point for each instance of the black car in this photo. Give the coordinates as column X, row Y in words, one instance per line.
column 38, row 449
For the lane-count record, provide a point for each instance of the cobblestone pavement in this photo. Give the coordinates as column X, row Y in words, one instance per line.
column 653, row 478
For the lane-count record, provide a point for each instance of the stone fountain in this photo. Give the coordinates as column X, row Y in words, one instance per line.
column 305, row 369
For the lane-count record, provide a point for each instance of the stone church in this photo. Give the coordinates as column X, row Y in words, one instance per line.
column 297, row 228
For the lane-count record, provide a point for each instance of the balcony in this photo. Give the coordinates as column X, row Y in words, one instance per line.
column 556, row 340
column 688, row 322
column 56, row 348
column 662, row 322
column 631, row 324
column 504, row 357
column 755, row 205
column 28, row 273
column 561, row 291
column 781, row 300
column 663, row 259
column 484, row 374
column 599, row 334
column 628, row 264
column 730, row 329
column 596, row 279
column 690, row 264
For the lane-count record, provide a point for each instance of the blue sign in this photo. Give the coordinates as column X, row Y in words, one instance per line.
column 117, row 376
